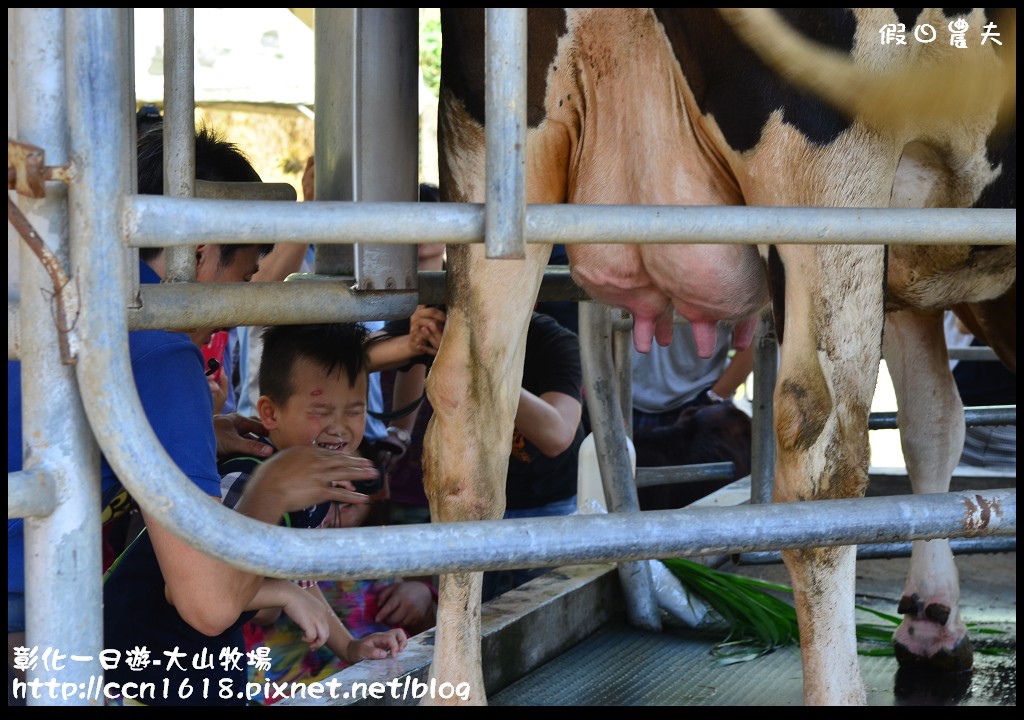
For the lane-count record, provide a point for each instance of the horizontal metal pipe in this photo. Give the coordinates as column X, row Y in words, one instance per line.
column 557, row 284
column 980, row 352
column 189, row 305
column 960, row 546
column 160, row 221
column 169, row 305
column 672, row 474
column 30, row 493
column 218, row 190
column 963, row 475
column 306, row 298
column 577, row 539
column 973, row 416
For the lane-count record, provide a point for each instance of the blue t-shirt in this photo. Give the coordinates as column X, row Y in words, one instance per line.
column 375, row 428
column 181, row 420
column 15, row 526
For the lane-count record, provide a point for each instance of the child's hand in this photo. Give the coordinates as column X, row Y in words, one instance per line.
column 425, row 329
column 310, row 613
column 303, row 476
column 407, row 603
column 219, row 389
column 377, row 646
column 235, row 434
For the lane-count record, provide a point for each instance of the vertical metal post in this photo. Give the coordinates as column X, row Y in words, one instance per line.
column 334, row 127
column 179, row 128
column 366, row 127
column 63, row 584
column 622, row 351
column 766, row 369
column 127, row 31
column 505, row 110
column 613, row 454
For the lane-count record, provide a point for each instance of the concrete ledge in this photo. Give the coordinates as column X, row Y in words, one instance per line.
column 522, row 629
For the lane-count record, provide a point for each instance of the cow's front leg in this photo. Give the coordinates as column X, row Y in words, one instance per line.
column 473, row 387
column 830, row 350
column 931, row 420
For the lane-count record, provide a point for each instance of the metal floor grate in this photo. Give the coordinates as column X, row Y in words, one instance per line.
column 623, row 666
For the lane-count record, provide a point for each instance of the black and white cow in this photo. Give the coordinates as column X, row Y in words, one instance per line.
column 669, row 107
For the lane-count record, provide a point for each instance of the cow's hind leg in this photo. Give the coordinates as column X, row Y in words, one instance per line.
column 830, row 350
column 931, row 420
column 474, row 388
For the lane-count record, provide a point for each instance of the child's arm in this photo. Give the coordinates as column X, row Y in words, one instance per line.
column 375, row 646
column 266, row 616
column 309, row 611
column 425, row 329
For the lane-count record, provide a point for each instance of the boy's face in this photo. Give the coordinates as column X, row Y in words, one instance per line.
column 323, row 410
column 352, row 515
column 244, row 264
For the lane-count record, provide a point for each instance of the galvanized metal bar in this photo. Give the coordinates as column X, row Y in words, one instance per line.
column 617, row 537
column 673, row 474
column 210, row 190
column 973, row 416
column 62, row 549
column 127, row 31
column 766, row 369
column 13, row 329
column 155, row 221
column 505, row 110
column 31, row 493
column 386, row 145
column 303, row 298
column 959, row 546
column 963, row 475
column 179, row 129
column 334, row 129
column 622, row 361
column 972, row 353
column 185, row 305
column 229, row 304
column 557, row 284
column 769, row 225
column 613, row 454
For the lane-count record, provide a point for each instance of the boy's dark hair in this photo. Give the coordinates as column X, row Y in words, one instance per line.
column 429, row 193
column 332, row 346
column 146, row 118
column 216, row 160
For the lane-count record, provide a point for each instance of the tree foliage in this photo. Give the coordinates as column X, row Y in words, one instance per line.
column 430, row 48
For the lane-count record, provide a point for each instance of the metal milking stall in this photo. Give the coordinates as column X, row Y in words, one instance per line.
column 72, row 108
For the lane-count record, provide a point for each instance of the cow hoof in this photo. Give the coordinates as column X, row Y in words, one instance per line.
column 957, row 659
column 914, row 686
